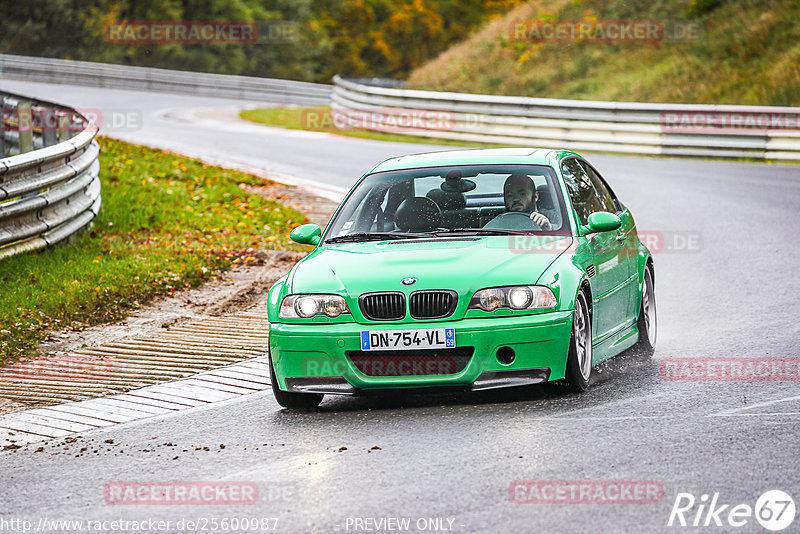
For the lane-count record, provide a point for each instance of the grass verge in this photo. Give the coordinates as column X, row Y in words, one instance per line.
column 318, row 119
column 167, row 222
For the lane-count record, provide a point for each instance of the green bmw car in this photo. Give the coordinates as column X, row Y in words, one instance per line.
column 471, row 269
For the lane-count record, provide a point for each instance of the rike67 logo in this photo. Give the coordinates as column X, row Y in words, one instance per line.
column 774, row 510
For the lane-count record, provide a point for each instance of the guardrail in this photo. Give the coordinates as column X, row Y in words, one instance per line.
column 49, row 184
column 622, row 127
column 164, row 80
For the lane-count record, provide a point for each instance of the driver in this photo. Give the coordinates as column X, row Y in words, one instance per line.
column 520, row 194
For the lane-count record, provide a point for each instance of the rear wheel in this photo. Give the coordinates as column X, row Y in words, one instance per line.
column 579, row 357
column 647, row 322
column 288, row 399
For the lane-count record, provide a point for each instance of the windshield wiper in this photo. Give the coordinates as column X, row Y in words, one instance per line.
column 483, row 231
column 375, row 236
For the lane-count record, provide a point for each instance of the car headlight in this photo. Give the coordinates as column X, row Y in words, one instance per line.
column 305, row 306
column 514, row 297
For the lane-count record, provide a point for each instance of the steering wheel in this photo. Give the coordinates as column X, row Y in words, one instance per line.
column 513, row 220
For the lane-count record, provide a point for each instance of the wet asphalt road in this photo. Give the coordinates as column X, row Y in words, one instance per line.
column 726, row 288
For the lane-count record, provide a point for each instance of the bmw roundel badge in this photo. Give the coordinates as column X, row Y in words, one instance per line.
column 409, row 281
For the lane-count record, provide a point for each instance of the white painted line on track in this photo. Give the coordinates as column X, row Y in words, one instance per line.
column 182, row 402
column 169, row 406
column 217, row 379
column 200, row 393
column 56, row 415
column 58, row 424
column 145, row 408
column 225, row 388
column 744, row 410
column 79, row 409
column 15, row 423
column 242, row 376
column 757, row 414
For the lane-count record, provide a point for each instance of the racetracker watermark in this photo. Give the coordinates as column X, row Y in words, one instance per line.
column 730, row 369
column 649, row 31
column 45, row 119
column 189, row 32
column 62, row 368
column 372, row 365
column 656, row 241
column 394, row 120
column 179, row 493
column 586, row 492
column 693, row 121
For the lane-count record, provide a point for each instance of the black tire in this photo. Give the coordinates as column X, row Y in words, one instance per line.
column 647, row 322
column 288, row 399
column 579, row 356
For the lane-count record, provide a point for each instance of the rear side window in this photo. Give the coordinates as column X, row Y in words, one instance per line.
column 582, row 193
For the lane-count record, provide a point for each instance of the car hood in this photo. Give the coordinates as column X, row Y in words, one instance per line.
column 461, row 264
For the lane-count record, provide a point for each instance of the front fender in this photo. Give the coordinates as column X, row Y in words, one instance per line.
column 643, row 257
column 564, row 277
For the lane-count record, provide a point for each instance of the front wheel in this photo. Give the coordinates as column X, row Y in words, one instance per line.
column 647, row 322
column 288, row 399
column 579, row 357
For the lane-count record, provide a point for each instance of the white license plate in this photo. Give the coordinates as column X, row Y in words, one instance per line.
column 426, row 338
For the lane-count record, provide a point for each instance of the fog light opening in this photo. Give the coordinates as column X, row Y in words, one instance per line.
column 505, row 355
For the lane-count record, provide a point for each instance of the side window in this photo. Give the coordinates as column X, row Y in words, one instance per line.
column 585, row 199
column 610, row 205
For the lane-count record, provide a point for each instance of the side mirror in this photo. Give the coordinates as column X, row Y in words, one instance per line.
column 306, row 234
column 601, row 221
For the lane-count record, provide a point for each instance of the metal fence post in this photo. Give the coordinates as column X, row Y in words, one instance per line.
column 64, row 121
column 2, row 127
column 48, row 120
column 25, row 126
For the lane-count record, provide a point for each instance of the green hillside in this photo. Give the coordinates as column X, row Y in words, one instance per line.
column 743, row 52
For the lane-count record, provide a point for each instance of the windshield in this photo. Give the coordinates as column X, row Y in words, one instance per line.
column 440, row 201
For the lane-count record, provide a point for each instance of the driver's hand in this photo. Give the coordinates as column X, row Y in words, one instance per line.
column 541, row 220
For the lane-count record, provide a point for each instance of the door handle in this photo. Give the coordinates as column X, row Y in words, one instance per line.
column 621, row 237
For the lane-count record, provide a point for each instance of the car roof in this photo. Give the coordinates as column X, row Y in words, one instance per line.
column 476, row 156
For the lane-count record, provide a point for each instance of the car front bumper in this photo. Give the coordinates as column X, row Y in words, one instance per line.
column 313, row 357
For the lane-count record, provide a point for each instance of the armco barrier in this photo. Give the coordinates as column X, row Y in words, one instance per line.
column 168, row 81
column 761, row 132
column 49, row 184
